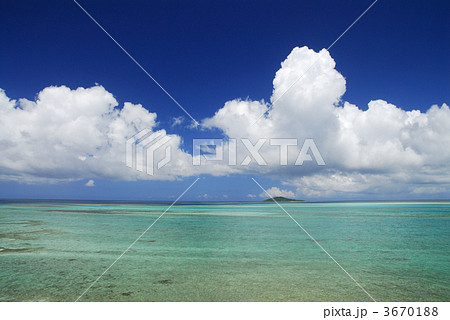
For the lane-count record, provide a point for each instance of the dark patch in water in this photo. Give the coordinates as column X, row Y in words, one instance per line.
column 4, row 250
column 165, row 281
column 28, row 223
column 149, row 240
column 16, row 236
column 398, row 259
column 72, row 259
column 34, row 223
column 103, row 211
column 27, row 235
column 127, row 293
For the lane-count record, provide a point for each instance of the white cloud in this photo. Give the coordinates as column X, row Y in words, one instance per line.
column 80, row 134
column 379, row 149
column 77, row 134
column 176, row 121
column 193, row 125
column 65, row 134
column 90, row 183
column 277, row 192
column 251, row 196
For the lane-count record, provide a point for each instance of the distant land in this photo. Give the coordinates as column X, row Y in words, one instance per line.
column 282, row 199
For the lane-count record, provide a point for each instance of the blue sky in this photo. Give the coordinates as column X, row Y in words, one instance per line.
column 208, row 52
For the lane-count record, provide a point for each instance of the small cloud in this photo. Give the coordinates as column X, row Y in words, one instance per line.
column 176, row 121
column 193, row 125
column 204, row 196
column 251, row 196
column 428, row 190
column 277, row 192
column 225, row 196
column 90, row 183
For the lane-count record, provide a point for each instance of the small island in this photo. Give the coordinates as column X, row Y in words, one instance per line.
column 282, row 199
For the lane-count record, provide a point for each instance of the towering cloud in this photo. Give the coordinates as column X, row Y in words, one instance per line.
column 379, row 150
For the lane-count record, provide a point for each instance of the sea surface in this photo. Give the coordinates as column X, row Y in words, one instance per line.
column 54, row 250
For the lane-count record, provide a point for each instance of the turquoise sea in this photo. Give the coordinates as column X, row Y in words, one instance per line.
column 53, row 251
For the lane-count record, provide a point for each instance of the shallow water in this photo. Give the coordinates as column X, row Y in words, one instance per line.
column 225, row 252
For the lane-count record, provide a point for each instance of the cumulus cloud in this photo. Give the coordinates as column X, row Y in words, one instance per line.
column 90, row 183
column 379, row 149
column 277, row 192
column 65, row 134
column 81, row 134
column 77, row 134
